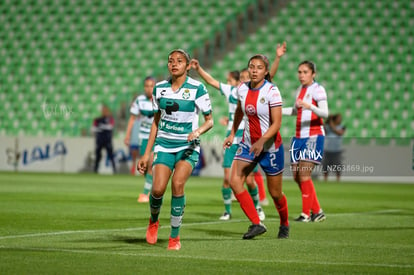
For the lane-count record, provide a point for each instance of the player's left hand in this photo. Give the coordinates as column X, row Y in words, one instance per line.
column 281, row 49
column 302, row 104
column 257, row 148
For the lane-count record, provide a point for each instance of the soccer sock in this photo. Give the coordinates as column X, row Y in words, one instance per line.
column 148, row 184
column 315, row 203
column 307, row 196
column 258, row 178
column 282, row 208
column 155, row 206
column 247, row 205
column 177, row 212
column 226, row 192
column 254, row 193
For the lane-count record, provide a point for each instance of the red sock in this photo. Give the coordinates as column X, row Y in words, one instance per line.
column 282, row 208
column 315, row 203
column 258, row 178
column 307, row 196
column 246, row 203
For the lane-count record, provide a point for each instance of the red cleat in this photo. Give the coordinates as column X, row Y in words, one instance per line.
column 152, row 232
column 174, row 243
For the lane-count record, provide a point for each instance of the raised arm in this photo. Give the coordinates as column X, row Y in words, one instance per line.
column 204, row 75
column 280, row 51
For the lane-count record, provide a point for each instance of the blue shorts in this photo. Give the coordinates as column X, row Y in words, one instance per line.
column 133, row 147
column 307, row 149
column 272, row 163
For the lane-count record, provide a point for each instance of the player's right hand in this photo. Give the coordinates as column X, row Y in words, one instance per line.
column 126, row 141
column 228, row 142
column 142, row 165
column 194, row 64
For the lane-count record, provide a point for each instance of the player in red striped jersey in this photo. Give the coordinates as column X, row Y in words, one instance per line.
column 306, row 149
column 260, row 102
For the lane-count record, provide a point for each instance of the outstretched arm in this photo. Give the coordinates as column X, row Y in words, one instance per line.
column 204, row 75
column 280, row 51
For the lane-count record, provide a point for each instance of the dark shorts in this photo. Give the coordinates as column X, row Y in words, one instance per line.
column 331, row 161
column 307, row 149
column 272, row 163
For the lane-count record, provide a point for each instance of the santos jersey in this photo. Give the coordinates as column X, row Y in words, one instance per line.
column 230, row 93
column 256, row 105
column 142, row 105
column 307, row 122
column 179, row 114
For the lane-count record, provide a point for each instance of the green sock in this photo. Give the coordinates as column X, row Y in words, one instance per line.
column 226, row 192
column 177, row 212
column 148, row 184
column 155, row 207
column 254, row 193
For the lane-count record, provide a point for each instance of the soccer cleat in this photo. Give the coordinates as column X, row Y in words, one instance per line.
column 152, row 232
column 143, row 198
column 303, row 218
column 283, row 232
column 225, row 217
column 319, row 217
column 261, row 213
column 174, row 243
column 254, row 230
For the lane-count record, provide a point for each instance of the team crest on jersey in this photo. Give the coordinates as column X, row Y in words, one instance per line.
column 308, row 96
column 262, row 100
column 250, row 110
column 186, row 94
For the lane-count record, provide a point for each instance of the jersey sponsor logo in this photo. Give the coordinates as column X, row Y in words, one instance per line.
column 168, row 126
column 186, row 94
column 250, row 110
column 171, row 106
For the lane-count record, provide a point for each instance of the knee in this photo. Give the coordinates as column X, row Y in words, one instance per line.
column 178, row 187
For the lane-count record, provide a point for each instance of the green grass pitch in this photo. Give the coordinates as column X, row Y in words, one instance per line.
column 91, row 224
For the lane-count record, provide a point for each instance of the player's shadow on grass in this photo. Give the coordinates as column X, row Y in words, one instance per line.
column 217, row 233
column 132, row 240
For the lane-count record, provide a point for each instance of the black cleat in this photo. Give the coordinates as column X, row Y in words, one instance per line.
column 254, row 230
column 320, row 217
column 283, row 232
column 303, row 218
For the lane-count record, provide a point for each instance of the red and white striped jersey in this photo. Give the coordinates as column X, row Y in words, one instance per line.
column 307, row 122
column 256, row 105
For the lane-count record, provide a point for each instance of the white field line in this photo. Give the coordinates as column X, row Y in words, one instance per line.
column 174, row 255
column 68, row 232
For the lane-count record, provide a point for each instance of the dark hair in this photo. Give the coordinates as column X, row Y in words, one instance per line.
column 235, row 75
column 310, row 65
column 265, row 61
column 149, row 78
column 181, row 51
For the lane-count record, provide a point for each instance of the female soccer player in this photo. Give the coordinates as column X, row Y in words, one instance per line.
column 227, row 90
column 141, row 108
column 175, row 133
column 306, row 148
column 261, row 104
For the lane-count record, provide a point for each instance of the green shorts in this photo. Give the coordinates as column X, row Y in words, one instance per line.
column 144, row 143
column 229, row 154
column 170, row 159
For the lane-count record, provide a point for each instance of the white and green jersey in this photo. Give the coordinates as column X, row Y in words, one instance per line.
column 230, row 93
column 179, row 114
column 142, row 105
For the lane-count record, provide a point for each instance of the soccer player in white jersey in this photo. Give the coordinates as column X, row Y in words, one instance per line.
column 306, row 148
column 175, row 133
column 260, row 103
column 227, row 90
column 141, row 108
